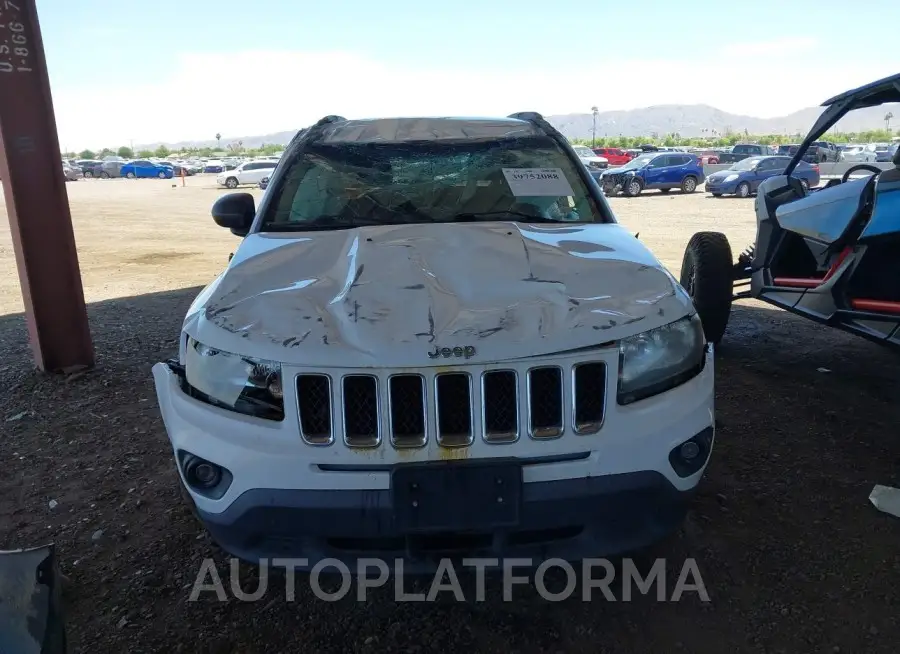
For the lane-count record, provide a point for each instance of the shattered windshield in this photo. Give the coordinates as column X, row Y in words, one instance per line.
column 529, row 179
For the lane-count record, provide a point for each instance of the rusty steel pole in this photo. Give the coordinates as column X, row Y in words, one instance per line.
column 36, row 199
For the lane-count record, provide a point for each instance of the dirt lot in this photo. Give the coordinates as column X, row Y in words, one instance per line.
column 792, row 555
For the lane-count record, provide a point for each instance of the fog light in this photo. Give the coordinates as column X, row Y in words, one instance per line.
column 200, row 474
column 206, row 474
column 689, row 450
column 689, row 457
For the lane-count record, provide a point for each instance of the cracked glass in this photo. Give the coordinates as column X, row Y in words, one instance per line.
column 334, row 183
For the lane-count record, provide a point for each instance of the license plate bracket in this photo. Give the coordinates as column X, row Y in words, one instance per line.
column 459, row 497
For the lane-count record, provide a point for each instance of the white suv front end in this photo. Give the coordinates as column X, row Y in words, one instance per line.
column 412, row 387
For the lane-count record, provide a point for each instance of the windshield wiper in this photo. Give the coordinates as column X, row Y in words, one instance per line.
column 333, row 222
column 527, row 217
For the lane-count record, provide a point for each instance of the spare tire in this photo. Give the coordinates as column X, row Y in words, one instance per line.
column 706, row 274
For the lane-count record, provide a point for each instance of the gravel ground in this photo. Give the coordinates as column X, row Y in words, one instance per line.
column 791, row 553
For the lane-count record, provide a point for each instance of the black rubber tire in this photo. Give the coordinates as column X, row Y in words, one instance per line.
column 130, row 175
column 104, row 175
column 737, row 191
column 805, row 185
column 689, row 184
column 633, row 188
column 88, row 174
column 231, row 182
column 706, row 274
column 162, row 175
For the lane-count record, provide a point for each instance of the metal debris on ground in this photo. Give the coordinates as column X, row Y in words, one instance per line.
column 886, row 499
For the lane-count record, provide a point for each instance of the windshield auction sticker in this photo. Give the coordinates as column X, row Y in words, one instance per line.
column 534, row 182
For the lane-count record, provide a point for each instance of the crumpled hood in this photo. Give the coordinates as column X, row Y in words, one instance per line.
column 386, row 296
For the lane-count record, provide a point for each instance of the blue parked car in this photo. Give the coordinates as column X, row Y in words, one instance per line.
column 144, row 168
column 655, row 170
column 744, row 177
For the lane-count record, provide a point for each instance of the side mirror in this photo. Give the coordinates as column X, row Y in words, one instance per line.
column 235, row 211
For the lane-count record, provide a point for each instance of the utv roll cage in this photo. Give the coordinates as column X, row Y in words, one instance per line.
column 883, row 91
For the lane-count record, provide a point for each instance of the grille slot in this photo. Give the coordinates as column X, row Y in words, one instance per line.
column 406, row 399
column 361, row 414
column 589, row 397
column 453, row 409
column 500, row 406
column 314, row 407
column 545, row 402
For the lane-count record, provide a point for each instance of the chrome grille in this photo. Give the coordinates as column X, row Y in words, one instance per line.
column 410, row 408
column 589, row 397
column 407, row 410
column 314, row 407
column 361, row 414
column 500, row 406
column 545, row 402
column 453, row 408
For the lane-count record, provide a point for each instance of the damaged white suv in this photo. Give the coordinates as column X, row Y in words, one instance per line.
column 435, row 340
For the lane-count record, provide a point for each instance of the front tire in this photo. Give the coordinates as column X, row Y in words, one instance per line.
column 689, row 184
column 104, row 175
column 162, row 176
column 129, row 175
column 634, row 187
column 742, row 190
column 88, row 174
column 805, row 185
column 231, row 182
column 706, row 274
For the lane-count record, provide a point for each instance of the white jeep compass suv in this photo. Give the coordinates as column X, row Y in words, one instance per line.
column 435, row 340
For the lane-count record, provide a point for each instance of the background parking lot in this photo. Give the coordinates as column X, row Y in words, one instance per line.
column 792, row 555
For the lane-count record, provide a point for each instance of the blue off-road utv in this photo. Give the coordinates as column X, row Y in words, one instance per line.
column 831, row 254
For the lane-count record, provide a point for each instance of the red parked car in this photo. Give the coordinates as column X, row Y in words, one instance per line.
column 708, row 157
column 616, row 156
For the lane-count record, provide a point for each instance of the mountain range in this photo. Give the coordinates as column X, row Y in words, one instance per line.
column 685, row 120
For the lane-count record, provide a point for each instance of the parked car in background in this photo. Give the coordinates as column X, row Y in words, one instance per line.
column 708, row 157
column 88, row 166
column 884, row 152
column 72, row 173
column 615, row 156
column 214, row 166
column 143, row 168
column 744, row 150
column 823, row 151
column 109, row 169
column 588, row 158
column 858, row 153
column 745, row 176
column 655, row 170
column 248, row 173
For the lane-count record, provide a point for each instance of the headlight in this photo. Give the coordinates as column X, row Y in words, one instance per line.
column 657, row 360
column 230, row 381
column 730, row 178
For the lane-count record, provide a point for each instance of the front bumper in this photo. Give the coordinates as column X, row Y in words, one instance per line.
column 582, row 496
column 725, row 188
column 571, row 519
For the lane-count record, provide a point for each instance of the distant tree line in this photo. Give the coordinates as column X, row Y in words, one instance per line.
column 724, row 140
column 237, row 149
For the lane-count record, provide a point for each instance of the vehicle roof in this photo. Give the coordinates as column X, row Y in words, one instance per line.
column 394, row 130
column 875, row 93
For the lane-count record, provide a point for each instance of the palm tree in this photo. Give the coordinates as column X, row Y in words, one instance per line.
column 887, row 121
column 218, row 141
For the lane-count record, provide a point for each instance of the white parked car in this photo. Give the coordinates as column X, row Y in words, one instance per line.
column 589, row 158
column 858, row 153
column 247, row 173
column 441, row 339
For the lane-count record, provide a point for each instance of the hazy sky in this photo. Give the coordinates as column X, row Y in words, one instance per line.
column 165, row 70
